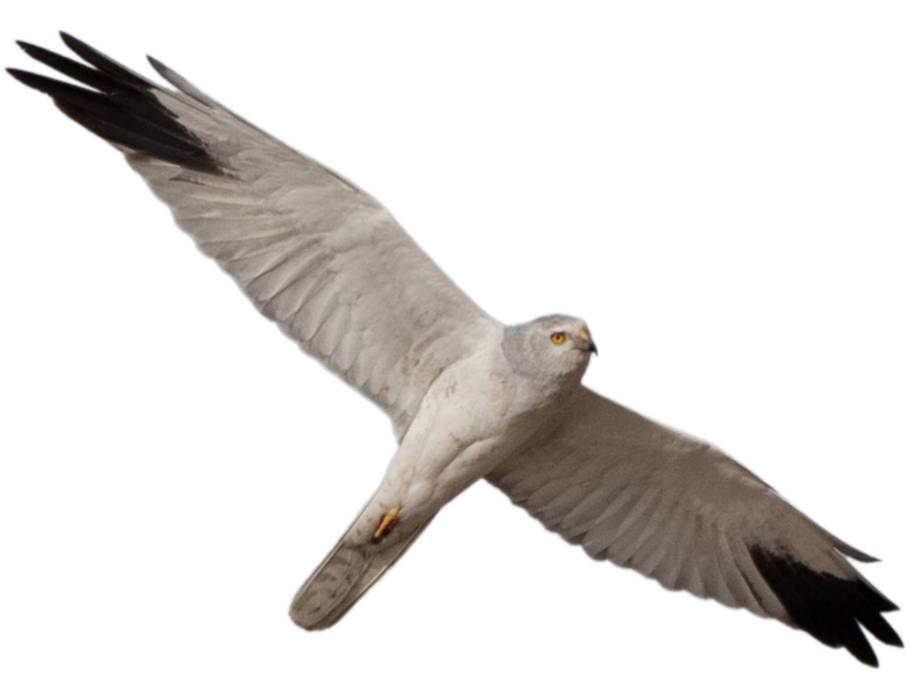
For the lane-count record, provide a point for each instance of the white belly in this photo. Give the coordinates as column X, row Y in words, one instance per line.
column 470, row 420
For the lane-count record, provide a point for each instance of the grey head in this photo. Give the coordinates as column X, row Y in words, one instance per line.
column 555, row 347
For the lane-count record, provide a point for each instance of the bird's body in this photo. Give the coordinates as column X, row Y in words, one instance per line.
column 478, row 413
column 469, row 397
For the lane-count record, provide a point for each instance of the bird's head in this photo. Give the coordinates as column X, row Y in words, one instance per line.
column 556, row 345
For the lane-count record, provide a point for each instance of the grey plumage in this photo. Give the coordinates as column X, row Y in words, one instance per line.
column 469, row 398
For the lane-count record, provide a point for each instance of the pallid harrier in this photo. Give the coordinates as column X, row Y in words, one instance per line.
column 468, row 396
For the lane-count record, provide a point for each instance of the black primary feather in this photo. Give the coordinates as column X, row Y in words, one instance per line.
column 71, row 68
column 105, row 64
column 121, row 106
column 827, row 607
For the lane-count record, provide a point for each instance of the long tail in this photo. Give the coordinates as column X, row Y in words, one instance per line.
column 348, row 571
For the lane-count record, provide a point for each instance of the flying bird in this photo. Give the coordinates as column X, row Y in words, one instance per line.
column 469, row 397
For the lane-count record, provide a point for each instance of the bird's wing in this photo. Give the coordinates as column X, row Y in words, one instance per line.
column 314, row 253
column 679, row 510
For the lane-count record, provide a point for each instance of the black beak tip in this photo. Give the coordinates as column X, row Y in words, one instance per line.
column 592, row 348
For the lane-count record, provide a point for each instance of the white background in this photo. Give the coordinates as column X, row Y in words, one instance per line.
column 727, row 192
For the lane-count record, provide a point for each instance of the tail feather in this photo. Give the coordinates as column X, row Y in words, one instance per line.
column 349, row 570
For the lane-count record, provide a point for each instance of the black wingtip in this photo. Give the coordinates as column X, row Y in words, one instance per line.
column 31, row 49
column 30, row 79
column 104, row 63
column 73, row 42
column 120, row 105
column 895, row 640
column 829, row 608
column 869, row 661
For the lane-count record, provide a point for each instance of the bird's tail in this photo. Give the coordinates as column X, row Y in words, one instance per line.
column 349, row 570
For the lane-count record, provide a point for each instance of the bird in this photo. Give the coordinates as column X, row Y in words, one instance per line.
column 470, row 398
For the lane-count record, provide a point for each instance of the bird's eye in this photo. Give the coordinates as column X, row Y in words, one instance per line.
column 557, row 338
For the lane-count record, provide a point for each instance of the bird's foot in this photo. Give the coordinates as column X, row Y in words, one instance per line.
column 386, row 524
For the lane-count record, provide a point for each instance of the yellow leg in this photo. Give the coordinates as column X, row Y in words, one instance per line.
column 386, row 524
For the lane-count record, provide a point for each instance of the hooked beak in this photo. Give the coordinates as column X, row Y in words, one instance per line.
column 589, row 344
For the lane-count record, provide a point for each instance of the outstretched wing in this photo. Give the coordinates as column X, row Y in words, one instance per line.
column 314, row 253
column 679, row 510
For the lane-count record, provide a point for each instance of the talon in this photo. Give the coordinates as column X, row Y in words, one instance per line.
column 386, row 524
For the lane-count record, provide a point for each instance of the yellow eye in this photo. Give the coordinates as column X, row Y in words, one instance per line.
column 557, row 338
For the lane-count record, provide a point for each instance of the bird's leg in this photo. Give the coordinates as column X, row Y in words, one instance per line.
column 386, row 524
